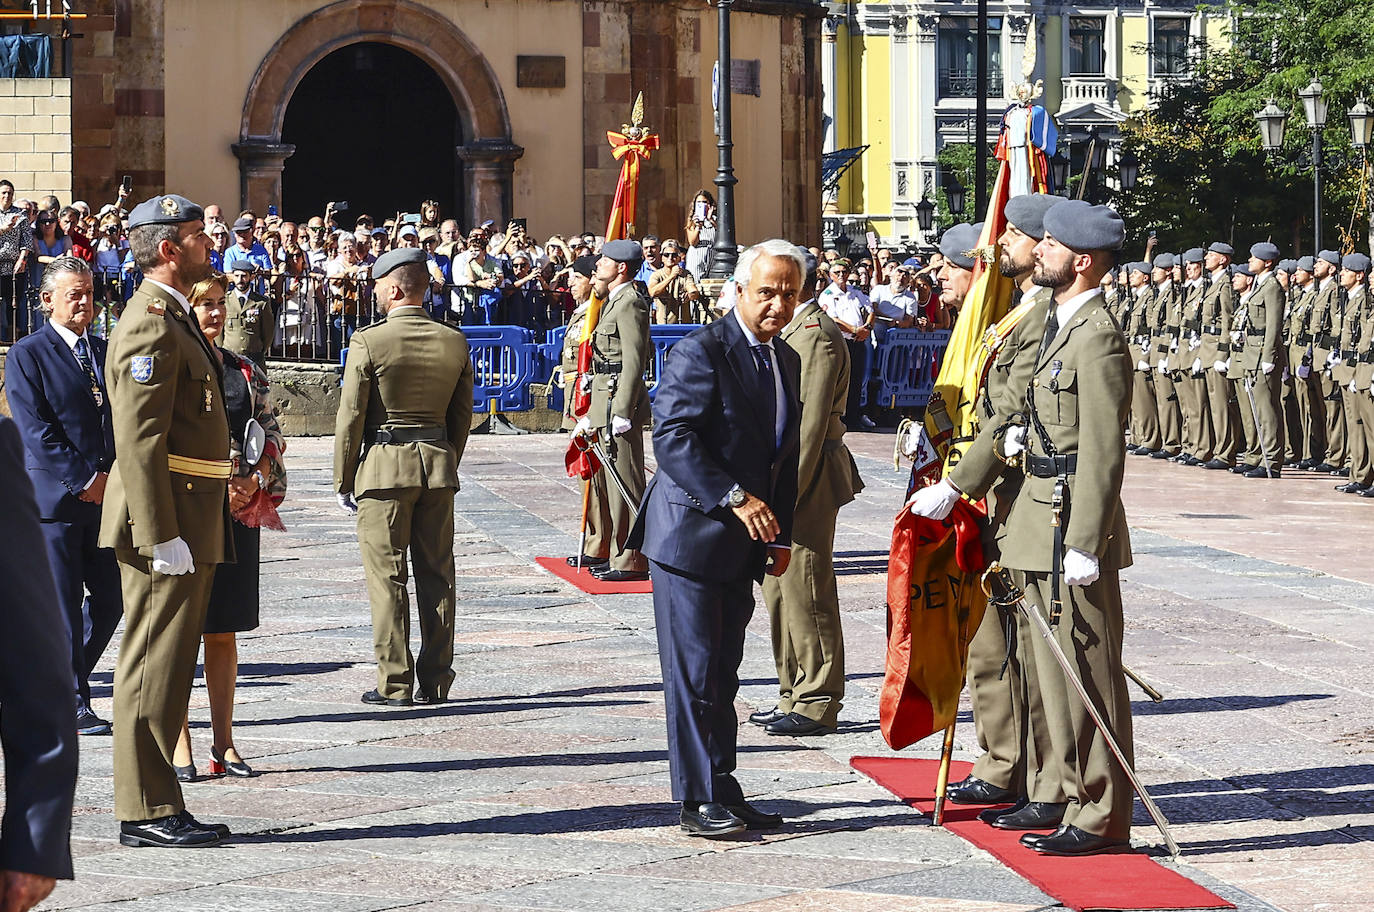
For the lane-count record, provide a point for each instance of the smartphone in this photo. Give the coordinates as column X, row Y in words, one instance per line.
column 340, row 206
column 872, row 238
column 1152, row 234
column 699, row 210
column 272, row 210
column 410, row 218
column 519, row 223
column 127, row 185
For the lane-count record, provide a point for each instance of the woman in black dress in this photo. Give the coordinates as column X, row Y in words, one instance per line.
column 254, row 492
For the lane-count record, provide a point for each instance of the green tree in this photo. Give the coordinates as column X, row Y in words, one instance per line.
column 1203, row 173
column 959, row 160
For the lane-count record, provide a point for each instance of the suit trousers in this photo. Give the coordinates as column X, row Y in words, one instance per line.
column 1099, row 793
column 1144, row 411
column 390, row 523
column 999, row 712
column 804, row 614
column 1170, row 419
column 629, row 464
column 164, row 617
column 1337, row 449
column 700, row 625
column 79, row 564
column 1356, row 435
column 1267, row 448
column 1204, row 435
column 1221, row 406
column 1362, row 469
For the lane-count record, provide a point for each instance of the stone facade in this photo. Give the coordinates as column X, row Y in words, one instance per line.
column 36, row 136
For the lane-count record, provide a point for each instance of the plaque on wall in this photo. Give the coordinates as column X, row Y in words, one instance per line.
column 541, row 72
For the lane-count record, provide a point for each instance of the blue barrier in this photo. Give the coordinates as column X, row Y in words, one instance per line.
column 908, row 360
column 663, row 336
column 504, row 365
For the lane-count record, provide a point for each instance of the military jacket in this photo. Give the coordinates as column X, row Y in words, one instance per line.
column 1299, row 337
column 1364, row 347
column 406, row 372
column 167, row 407
column 1348, row 342
column 1190, row 327
column 620, row 353
column 1215, row 320
column 1263, row 334
column 1138, row 329
column 1324, row 321
column 249, row 325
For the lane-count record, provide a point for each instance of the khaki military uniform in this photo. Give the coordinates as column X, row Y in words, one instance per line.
column 1304, row 412
column 598, row 525
column 1008, row 714
column 803, row 603
column 1144, row 410
column 1163, row 336
column 249, row 326
column 1262, row 344
column 170, row 481
column 1215, row 320
column 1192, row 382
column 620, row 354
column 403, row 422
column 1324, row 324
column 1362, row 471
column 1343, row 373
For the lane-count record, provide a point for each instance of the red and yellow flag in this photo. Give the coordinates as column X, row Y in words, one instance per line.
column 629, row 152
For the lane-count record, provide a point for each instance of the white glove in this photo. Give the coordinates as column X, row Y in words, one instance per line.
column 1352, row 387
column 620, row 425
column 1161, row 364
column 1197, row 366
column 173, row 558
column 1014, row 441
column 935, row 501
column 348, row 503
column 1267, row 367
column 1080, row 567
column 1332, row 360
column 1236, row 336
column 1222, row 367
column 583, row 427
column 1142, row 366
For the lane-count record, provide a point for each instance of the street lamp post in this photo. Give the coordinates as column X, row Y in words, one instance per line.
column 724, row 251
column 954, row 195
column 1314, row 109
column 925, row 214
column 1128, row 169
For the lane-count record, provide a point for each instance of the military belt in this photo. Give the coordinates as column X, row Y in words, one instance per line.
column 1211, row 330
column 1326, row 340
column 1367, row 357
column 409, row 434
column 1171, row 330
column 1051, row 466
column 200, row 468
column 607, row 367
column 1303, row 339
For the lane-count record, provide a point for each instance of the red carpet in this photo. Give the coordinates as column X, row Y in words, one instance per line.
column 588, row 583
column 1110, row 882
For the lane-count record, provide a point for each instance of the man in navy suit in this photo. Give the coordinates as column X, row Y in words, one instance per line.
column 55, row 379
column 718, row 516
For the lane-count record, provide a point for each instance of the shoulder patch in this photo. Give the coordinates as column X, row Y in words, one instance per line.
column 156, row 307
column 141, row 368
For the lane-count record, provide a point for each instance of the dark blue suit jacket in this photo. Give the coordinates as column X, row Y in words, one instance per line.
column 37, row 706
column 67, row 437
column 710, row 434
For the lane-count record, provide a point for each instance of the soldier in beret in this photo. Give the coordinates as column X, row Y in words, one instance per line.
column 1324, row 325
column 404, row 416
column 1192, row 369
column 1145, row 435
column 1262, row 359
column 1302, row 404
column 166, row 514
column 1357, row 349
column 1164, row 317
column 1217, row 306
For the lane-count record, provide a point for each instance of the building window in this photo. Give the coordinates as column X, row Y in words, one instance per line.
column 1086, row 47
column 1169, row 51
column 957, row 56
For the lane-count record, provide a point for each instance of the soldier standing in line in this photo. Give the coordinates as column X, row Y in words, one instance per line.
column 1355, row 271
column 1292, row 433
column 597, row 546
column 404, row 416
column 1145, row 436
column 1193, row 370
column 1354, row 346
column 1163, row 338
column 1305, row 416
column 249, row 325
column 1217, row 306
column 1262, row 357
column 1325, row 326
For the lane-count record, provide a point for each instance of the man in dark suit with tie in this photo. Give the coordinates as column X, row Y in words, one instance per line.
column 718, row 516
column 57, row 394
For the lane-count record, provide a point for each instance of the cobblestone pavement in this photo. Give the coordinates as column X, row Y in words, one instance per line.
column 543, row 784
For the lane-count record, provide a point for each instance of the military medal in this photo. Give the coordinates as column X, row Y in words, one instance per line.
column 1055, row 368
column 209, row 401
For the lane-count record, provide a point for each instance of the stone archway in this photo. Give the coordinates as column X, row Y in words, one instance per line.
column 488, row 156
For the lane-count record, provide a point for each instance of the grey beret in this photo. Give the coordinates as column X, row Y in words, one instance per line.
column 1355, row 262
column 1027, row 212
column 623, row 251
column 1306, row 263
column 1265, row 251
column 1288, row 266
column 1164, row 261
column 165, row 210
column 393, row 259
column 1330, row 256
column 1083, row 227
column 1141, row 267
column 1241, row 269
column 955, row 243
column 1194, row 255
column 1222, row 248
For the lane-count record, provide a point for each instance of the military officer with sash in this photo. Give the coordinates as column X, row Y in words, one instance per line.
column 1324, row 324
column 1218, row 303
column 1353, row 347
column 1145, row 436
column 166, row 515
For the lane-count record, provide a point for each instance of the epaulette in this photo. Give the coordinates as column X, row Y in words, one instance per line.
column 156, row 307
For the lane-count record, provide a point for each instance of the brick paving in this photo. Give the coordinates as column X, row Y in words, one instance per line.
column 542, row 785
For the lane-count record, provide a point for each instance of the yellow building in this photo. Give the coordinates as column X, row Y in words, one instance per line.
column 900, row 79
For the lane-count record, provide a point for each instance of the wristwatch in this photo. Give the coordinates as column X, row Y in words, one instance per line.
column 736, row 497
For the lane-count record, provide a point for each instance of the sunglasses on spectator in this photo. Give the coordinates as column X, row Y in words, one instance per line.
column 47, row 221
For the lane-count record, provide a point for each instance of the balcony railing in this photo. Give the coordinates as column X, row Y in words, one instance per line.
column 1080, row 90
column 964, row 84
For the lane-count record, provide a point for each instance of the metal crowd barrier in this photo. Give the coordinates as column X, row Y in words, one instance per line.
column 908, row 361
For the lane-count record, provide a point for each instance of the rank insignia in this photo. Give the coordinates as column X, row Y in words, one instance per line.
column 141, row 368
column 169, row 206
column 156, row 307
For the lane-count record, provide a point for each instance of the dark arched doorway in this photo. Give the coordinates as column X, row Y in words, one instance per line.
column 374, row 125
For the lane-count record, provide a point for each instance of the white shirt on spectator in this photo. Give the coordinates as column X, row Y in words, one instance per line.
column 849, row 306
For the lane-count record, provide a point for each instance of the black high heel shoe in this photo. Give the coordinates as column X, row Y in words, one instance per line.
column 220, row 767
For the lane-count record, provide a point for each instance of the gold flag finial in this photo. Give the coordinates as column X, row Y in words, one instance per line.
column 636, row 128
column 637, row 115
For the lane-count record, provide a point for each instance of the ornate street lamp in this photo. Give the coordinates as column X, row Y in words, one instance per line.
column 1361, row 124
column 724, row 252
column 1272, row 122
column 1313, row 105
column 1059, row 171
column 925, row 213
column 1128, row 169
column 954, row 195
column 1314, row 109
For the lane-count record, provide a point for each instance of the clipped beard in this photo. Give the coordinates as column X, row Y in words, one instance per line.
column 1050, row 278
column 1011, row 269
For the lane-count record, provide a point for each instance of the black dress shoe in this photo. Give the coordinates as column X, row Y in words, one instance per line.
column 607, row 575
column 977, row 791
column 1072, row 841
column 1216, row 464
column 1131, row 447
column 373, row 698
column 1367, row 492
column 88, row 723
column 709, row 820
column 1162, row 454
column 766, row 716
column 1030, row 840
column 797, row 725
column 589, row 563
column 754, row 819
column 1262, row 472
column 1241, row 468
column 1306, row 465
column 1342, row 472
column 1141, row 451
column 425, row 698
column 1350, row 487
column 1326, row 467
column 1188, row 459
column 178, row 831
column 1036, row 815
column 219, row 828
column 993, row 813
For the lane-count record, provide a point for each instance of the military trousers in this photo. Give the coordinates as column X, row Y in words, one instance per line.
column 1337, row 449
column 1145, row 430
column 598, row 519
column 804, row 614
column 999, row 710
column 1266, row 450
column 1170, row 419
column 629, row 464
column 1201, row 435
column 1310, row 415
column 1187, row 425
column 1356, row 433
column 390, row 524
column 1292, row 420
column 1098, row 791
column 164, row 617
column 1221, row 406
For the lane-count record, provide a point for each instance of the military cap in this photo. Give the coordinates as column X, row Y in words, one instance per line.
column 1288, row 266
column 1330, row 256
column 1027, row 212
column 1194, row 255
column 165, row 210
column 1306, row 264
column 1241, row 269
column 1139, row 266
column 1355, row 262
column 243, row 224
column 1164, row 261
column 1083, row 227
column 957, row 241
column 623, row 251
column 394, row 259
column 1264, row 250
column 1222, row 248
column 584, row 265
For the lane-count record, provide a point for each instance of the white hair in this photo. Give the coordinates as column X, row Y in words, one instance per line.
column 776, row 247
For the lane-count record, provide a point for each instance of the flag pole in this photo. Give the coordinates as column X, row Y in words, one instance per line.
column 942, row 780
column 586, row 508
